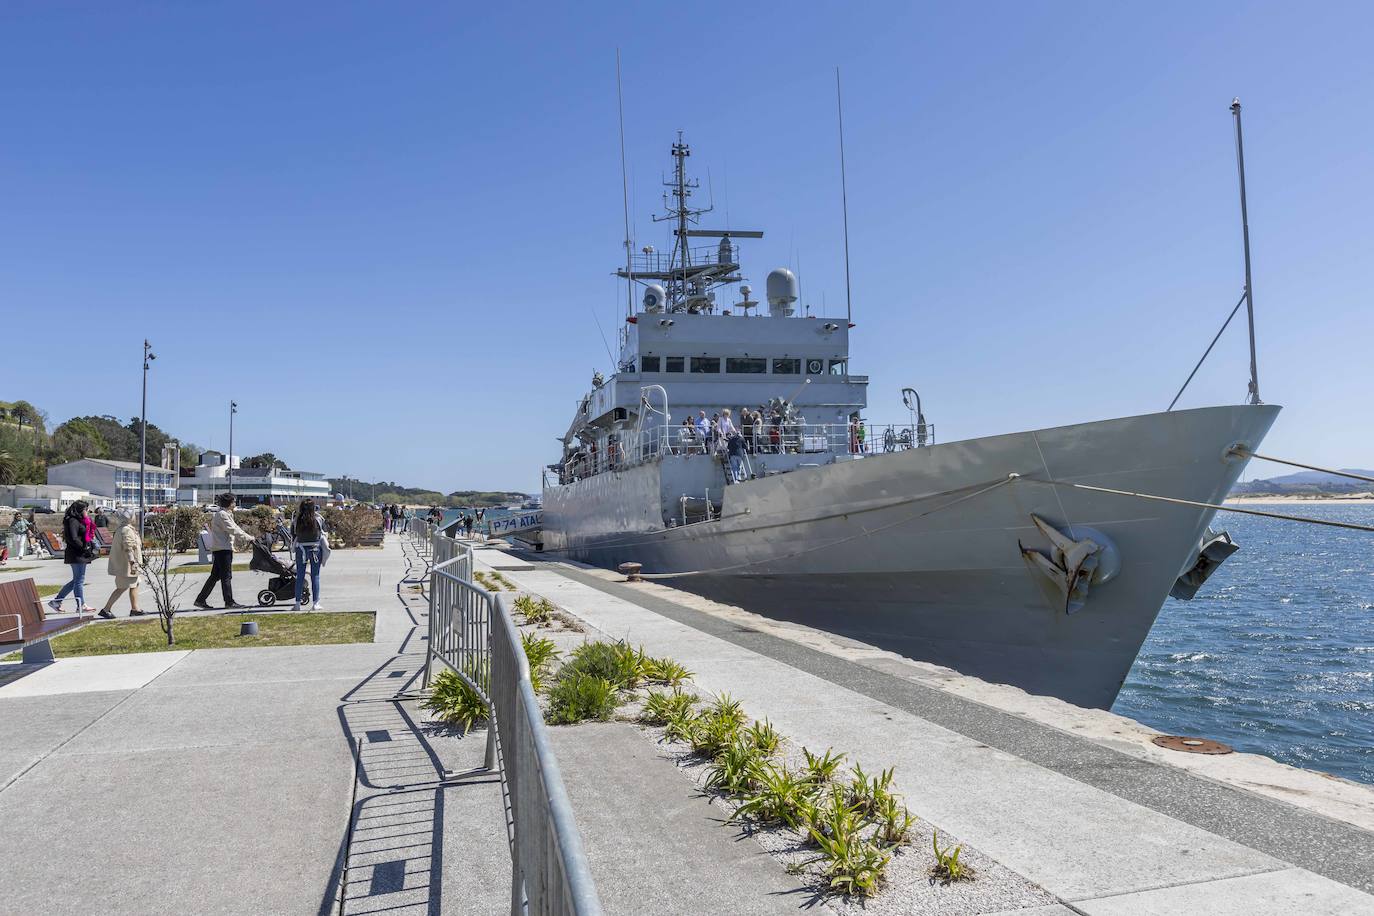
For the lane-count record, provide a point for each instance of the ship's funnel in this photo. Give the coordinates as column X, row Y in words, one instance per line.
column 782, row 292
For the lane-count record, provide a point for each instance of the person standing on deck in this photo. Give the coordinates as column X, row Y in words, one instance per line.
column 224, row 533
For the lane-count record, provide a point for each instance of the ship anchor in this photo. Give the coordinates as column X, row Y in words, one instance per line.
column 1071, row 566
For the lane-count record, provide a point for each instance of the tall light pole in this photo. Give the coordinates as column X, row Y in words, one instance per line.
column 229, row 461
column 148, row 357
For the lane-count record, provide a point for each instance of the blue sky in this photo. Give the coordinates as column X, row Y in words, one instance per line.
column 385, row 229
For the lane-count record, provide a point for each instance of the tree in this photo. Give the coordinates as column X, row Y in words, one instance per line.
column 190, row 454
column 265, row 460
column 79, row 438
column 9, row 468
column 163, row 531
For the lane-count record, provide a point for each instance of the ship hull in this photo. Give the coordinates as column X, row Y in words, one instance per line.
column 919, row 551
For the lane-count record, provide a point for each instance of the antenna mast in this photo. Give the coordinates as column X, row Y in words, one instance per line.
column 624, row 193
column 1245, row 234
column 844, row 200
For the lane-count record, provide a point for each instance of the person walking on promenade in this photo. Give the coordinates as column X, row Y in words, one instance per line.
column 307, row 534
column 78, row 549
column 126, row 553
column 20, row 529
column 224, row 532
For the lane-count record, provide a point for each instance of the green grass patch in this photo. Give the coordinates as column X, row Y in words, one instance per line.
column 192, row 569
column 118, row 637
column 47, row 591
column 15, row 569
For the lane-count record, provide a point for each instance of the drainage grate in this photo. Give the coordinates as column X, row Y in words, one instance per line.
column 1192, row 745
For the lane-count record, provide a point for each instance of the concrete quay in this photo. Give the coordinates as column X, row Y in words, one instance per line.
column 1076, row 801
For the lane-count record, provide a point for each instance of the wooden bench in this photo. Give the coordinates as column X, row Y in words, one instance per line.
column 52, row 542
column 22, row 622
column 105, row 539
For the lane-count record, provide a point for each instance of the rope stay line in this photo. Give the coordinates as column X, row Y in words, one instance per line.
column 1309, row 467
column 1201, row 505
column 1205, row 353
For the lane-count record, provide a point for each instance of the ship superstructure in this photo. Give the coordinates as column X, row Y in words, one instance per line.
column 977, row 554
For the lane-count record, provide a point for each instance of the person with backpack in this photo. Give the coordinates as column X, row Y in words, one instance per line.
column 78, row 551
column 310, row 547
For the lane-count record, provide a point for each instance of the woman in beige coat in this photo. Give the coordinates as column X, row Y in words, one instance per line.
column 125, row 554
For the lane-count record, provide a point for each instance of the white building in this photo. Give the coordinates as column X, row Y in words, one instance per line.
column 53, row 497
column 250, row 485
column 117, row 481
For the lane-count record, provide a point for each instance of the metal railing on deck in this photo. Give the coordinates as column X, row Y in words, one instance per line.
column 473, row 633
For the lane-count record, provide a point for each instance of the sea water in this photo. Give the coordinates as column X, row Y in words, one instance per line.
column 1275, row 655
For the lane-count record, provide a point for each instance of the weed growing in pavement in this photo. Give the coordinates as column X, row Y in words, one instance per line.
column 662, row 708
column 452, row 699
column 715, row 729
column 894, row 821
column 854, row 863
column 947, row 866
column 580, row 697
column 821, row 768
column 764, row 737
column 665, row 671
column 780, row 796
column 538, row 611
column 540, row 654
column 614, row 662
column 736, row 769
column 867, row 792
column 681, row 724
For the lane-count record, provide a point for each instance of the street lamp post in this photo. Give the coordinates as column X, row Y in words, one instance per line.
column 148, row 357
column 229, row 460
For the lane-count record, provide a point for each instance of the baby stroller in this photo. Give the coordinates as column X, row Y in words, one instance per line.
column 282, row 585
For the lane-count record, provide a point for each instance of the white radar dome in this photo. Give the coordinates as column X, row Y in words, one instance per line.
column 654, row 297
column 782, row 291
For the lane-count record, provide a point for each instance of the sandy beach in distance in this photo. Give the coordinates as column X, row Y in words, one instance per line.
column 1357, row 498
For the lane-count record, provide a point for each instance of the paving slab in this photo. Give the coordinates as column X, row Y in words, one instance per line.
column 32, row 726
column 220, row 830
column 93, row 674
column 1291, row 890
column 654, row 844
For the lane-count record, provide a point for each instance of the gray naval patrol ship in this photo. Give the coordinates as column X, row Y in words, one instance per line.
column 990, row 556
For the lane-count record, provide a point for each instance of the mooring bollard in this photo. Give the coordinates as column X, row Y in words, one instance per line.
column 631, row 571
column 248, row 628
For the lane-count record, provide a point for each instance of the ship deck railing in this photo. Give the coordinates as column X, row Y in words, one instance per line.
column 824, row 441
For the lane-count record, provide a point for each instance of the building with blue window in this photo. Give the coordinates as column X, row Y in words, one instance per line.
column 117, row 481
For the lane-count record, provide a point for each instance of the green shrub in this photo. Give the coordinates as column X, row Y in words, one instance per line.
column 947, row 866
column 681, row 724
column 735, row 771
column 665, row 671
column 615, row 662
column 821, row 768
column 853, row 863
column 536, row 611
column 764, row 737
column 894, row 821
column 867, row 792
column 779, row 796
column 580, row 697
column 452, row 699
column 716, row 728
column 660, row 708
column 540, row 653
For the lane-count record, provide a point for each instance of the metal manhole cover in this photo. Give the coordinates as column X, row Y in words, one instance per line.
column 1192, row 745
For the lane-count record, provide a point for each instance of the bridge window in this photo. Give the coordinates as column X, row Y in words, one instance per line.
column 815, row 367
column 706, row 364
column 748, row 365
column 674, row 363
column 787, row 367
column 837, row 367
column 648, row 364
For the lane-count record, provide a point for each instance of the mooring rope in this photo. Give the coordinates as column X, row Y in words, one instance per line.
column 1308, row 467
column 1200, row 505
column 866, row 532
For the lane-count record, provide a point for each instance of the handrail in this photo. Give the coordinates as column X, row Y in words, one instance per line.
column 473, row 633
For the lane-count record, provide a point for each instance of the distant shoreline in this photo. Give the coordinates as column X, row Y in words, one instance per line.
column 1359, row 498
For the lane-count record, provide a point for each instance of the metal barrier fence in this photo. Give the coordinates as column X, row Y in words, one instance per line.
column 473, row 633
column 550, row 874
